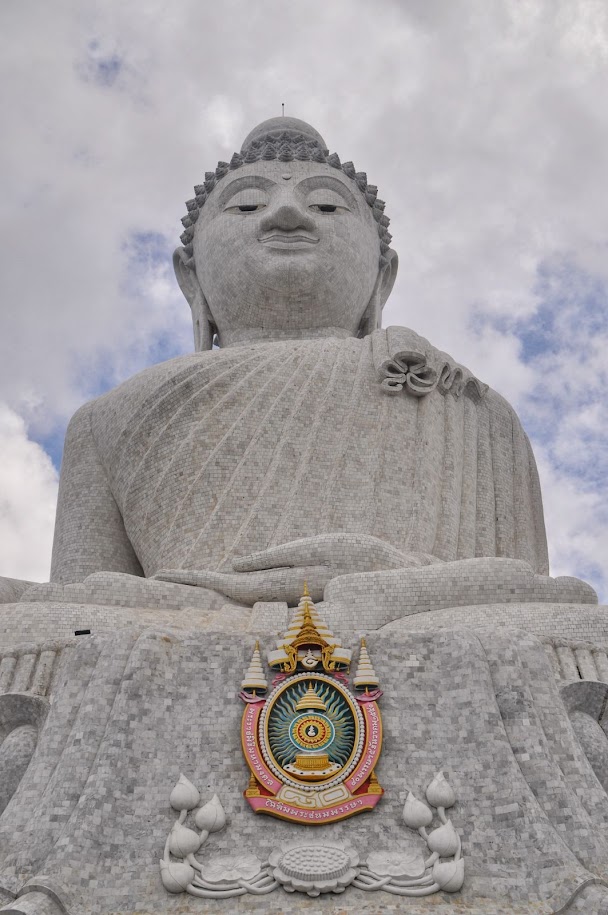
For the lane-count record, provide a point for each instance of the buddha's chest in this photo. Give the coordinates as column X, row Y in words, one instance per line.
column 271, row 454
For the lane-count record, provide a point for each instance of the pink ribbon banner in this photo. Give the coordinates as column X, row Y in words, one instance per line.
column 323, row 815
column 373, row 745
column 250, row 748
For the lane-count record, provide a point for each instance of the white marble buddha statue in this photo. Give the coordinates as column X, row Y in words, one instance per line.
column 309, row 443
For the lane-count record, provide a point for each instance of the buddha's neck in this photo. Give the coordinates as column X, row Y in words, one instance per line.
column 261, row 335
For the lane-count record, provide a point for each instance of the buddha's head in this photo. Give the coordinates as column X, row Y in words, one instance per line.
column 284, row 242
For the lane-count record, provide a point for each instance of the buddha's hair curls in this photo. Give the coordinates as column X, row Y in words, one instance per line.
column 285, row 147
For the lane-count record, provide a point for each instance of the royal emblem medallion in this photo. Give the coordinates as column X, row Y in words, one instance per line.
column 312, row 742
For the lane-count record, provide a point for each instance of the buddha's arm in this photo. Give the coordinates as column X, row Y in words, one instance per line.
column 89, row 532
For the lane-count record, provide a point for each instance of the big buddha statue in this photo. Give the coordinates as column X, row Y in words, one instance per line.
column 300, row 442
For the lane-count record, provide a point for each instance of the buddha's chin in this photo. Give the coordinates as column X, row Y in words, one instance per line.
column 297, row 314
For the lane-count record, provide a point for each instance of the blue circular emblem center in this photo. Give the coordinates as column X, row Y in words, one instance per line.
column 311, row 731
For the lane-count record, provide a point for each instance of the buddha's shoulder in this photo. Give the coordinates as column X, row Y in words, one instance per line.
column 395, row 345
column 155, row 377
column 127, row 397
column 157, row 382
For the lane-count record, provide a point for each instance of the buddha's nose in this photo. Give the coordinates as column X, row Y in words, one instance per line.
column 286, row 215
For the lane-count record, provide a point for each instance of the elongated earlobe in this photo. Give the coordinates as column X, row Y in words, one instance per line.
column 372, row 317
column 202, row 323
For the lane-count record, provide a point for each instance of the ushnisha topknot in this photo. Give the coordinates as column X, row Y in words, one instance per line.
column 284, row 139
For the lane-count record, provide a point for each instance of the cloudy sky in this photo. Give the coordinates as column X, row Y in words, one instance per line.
column 483, row 122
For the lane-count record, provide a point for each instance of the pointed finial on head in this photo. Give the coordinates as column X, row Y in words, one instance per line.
column 305, row 592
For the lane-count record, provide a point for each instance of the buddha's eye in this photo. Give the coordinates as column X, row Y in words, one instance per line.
column 245, row 208
column 324, row 207
column 326, row 201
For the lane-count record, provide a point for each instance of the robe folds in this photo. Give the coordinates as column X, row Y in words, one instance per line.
column 214, row 455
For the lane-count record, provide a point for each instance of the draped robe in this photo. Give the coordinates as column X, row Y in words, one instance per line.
column 214, row 455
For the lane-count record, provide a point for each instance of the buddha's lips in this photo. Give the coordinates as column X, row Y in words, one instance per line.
column 283, row 240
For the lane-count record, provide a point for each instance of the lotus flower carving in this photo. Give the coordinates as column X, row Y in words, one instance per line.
column 416, row 814
column 449, row 875
column 314, row 869
column 402, row 864
column 183, row 841
column 444, row 840
column 175, row 876
column 317, row 867
column 439, row 793
column 184, row 796
column 232, row 869
column 211, row 817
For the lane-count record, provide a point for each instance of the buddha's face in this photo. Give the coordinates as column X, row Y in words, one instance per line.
column 285, row 247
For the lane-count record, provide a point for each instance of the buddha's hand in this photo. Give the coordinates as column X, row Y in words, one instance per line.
column 279, row 573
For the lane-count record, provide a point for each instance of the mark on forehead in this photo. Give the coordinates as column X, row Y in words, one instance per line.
column 285, row 177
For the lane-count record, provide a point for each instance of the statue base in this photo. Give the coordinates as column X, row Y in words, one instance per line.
column 131, row 710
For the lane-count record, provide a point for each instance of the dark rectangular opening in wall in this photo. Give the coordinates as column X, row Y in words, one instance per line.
column 82, row 632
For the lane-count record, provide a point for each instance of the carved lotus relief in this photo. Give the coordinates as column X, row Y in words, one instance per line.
column 318, row 866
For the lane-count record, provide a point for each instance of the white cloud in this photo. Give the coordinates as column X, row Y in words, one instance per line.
column 28, row 493
column 577, row 521
column 484, row 125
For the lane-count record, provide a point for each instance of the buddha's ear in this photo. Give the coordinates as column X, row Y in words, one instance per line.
column 388, row 275
column 202, row 323
column 185, row 275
